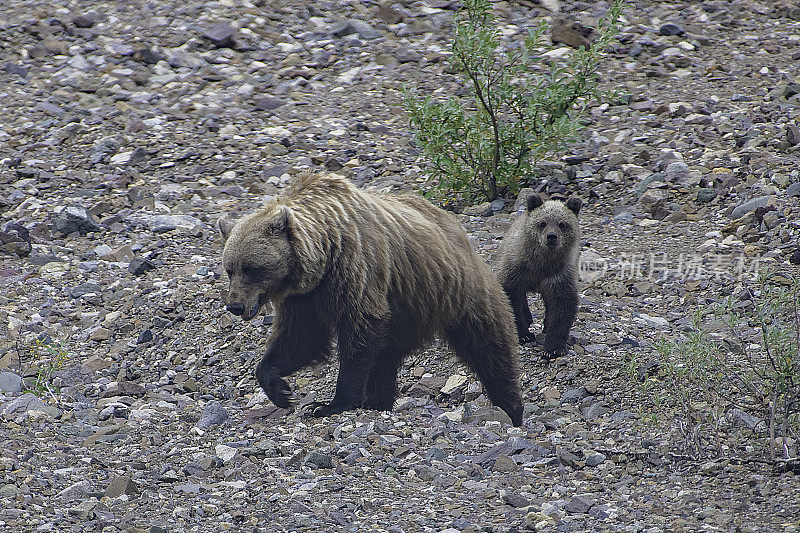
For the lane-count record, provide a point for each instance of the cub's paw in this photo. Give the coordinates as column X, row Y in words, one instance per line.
column 527, row 338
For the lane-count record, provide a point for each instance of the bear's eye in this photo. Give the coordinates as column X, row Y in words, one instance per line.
column 250, row 271
column 562, row 226
column 542, row 224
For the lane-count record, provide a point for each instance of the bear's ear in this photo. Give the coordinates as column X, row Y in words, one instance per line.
column 574, row 204
column 533, row 201
column 280, row 224
column 225, row 225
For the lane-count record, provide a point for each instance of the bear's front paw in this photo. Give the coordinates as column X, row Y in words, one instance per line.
column 553, row 351
column 322, row 409
column 278, row 391
column 526, row 338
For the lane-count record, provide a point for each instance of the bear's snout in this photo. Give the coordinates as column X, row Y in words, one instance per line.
column 552, row 239
column 237, row 308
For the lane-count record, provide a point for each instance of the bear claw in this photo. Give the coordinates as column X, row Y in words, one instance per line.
column 279, row 392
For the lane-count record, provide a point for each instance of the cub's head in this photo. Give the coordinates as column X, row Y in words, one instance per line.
column 553, row 224
column 258, row 259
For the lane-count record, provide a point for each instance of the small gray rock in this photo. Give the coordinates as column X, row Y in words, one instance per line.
column 793, row 189
column 751, row 205
column 139, row 266
column 214, row 414
column 670, row 29
column 20, row 405
column 121, row 485
column 578, row 505
column 351, row 26
column 480, row 210
column 319, row 460
column 516, row 500
column 76, row 491
column 72, row 219
column 220, row 34
column 595, row 459
column 10, row 382
column 706, row 195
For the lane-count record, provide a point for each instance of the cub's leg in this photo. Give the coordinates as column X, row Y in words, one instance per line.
column 560, row 308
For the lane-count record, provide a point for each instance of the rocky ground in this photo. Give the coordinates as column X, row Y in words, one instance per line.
column 130, row 127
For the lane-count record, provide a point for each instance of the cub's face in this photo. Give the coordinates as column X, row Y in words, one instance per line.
column 553, row 224
column 258, row 260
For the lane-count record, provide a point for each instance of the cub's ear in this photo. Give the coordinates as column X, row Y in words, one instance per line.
column 574, row 204
column 225, row 225
column 533, row 201
column 280, row 224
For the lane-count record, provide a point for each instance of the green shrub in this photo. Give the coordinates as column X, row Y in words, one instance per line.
column 739, row 367
column 520, row 107
column 43, row 359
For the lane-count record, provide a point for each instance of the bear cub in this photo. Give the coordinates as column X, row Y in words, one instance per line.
column 378, row 276
column 539, row 254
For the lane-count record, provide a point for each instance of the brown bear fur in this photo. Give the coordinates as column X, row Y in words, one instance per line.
column 539, row 253
column 382, row 274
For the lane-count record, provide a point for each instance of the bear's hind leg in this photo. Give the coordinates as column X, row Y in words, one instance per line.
column 381, row 390
column 492, row 357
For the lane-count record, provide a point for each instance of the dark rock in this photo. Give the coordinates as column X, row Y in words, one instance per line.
column 578, row 505
column 595, row 459
column 71, row 219
column 214, row 414
column 795, row 257
column 139, row 266
column 793, row 134
column 144, row 337
column 354, row 26
column 16, row 239
column 221, row 34
column 26, row 172
column 268, row 103
column 516, row 500
column 571, row 33
column 319, row 460
column 84, row 289
column 791, row 89
column 121, row 485
column 84, row 21
column 706, row 195
column 671, row 29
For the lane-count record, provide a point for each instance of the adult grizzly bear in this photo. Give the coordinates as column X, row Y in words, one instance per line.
column 539, row 253
column 382, row 274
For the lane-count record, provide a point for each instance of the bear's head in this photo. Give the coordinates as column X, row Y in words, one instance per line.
column 258, row 259
column 553, row 225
